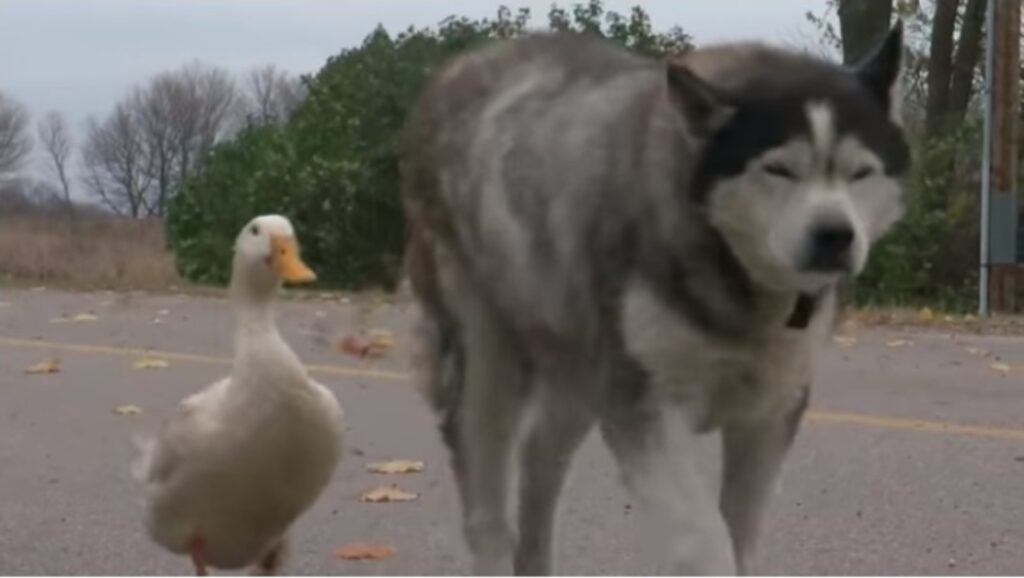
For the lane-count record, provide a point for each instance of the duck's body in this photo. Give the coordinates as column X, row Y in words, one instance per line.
column 240, row 460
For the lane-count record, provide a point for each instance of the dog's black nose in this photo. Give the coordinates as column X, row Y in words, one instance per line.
column 830, row 247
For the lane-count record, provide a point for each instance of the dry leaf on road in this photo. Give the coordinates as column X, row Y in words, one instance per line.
column 45, row 366
column 127, row 409
column 387, row 494
column 360, row 551
column 372, row 344
column 1001, row 367
column 977, row 352
column 844, row 340
column 151, row 363
column 382, row 339
column 395, row 467
column 75, row 318
column 899, row 342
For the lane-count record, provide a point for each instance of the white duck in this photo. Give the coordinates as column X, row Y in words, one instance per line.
column 240, row 460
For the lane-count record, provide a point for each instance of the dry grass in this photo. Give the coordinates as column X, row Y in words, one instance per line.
column 899, row 318
column 98, row 252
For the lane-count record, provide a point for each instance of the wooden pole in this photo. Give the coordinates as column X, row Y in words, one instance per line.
column 1004, row 275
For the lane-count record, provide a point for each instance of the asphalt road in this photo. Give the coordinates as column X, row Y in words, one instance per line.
column 911, row 461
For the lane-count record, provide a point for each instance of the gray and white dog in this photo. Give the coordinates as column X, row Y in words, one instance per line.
column 598, row 238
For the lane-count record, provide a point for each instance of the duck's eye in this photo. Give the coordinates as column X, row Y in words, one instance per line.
column 255, row 230
column 862, row 173
column 779, row 170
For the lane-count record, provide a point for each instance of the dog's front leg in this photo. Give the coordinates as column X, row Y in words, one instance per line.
column 657, row 452
column 753, row 453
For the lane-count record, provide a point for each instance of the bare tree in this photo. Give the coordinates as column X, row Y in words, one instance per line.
column 202, row 103
column 270, row 95
column 861, row 24
column 157, row 114
column 167, row 125
column 55, row 135
column 116, row 165
column 15, row 140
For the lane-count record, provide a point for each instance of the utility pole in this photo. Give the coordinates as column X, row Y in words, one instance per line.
column 1001, row 276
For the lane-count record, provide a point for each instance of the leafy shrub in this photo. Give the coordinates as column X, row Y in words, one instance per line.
column 333, row 168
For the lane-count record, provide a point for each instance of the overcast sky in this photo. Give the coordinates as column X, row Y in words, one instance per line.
column 80, row 56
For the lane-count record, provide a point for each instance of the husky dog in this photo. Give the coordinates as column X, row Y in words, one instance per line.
column 598, row 238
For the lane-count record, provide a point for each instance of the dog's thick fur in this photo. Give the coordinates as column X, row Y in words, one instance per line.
column 651, row 247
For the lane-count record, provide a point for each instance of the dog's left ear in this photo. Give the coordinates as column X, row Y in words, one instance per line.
column 700, row 104
column 880, row 71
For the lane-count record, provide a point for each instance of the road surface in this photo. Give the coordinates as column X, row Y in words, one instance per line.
column 911, row 461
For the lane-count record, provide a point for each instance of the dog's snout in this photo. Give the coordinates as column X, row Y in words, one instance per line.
column 829, row 248
column 833, row 237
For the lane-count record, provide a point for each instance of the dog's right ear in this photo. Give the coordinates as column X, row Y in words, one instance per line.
column 700, row 103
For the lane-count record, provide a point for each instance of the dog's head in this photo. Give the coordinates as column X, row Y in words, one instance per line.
column 800, row 167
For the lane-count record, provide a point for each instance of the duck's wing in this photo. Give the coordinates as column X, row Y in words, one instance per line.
column 194, row 418
column 328, row 400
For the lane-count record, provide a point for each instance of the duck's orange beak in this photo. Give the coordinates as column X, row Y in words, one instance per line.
column 285, row 261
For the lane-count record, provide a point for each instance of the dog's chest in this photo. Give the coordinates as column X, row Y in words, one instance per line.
column 718, row 381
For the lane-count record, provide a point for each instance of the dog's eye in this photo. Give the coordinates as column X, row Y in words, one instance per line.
column 862, row 173
column 255, row 230
column 779, row 170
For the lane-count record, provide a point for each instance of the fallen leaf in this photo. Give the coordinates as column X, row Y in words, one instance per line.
column 844, row 340
column 382, row 339
column 387, row 494
column 926, row 314
column 395, row 467
column 164, row 312
column 127, row 409
column 352, row 345
column 151, row 363
column 372, row 344
column 899, row 342
column 75, row 318
column 977, row 352
column 1000, row 367
column 360, row 551
column 45, row 366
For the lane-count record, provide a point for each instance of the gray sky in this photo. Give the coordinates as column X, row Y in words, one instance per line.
column 81, row 56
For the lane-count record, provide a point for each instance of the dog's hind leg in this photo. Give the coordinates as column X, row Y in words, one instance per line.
column 552, row 438
column 752, row 453
column 487, row 423
column 657, row 453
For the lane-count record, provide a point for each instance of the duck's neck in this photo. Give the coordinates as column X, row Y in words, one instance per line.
column 252, row 307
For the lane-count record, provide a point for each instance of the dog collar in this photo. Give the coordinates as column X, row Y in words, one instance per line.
column 803, row 310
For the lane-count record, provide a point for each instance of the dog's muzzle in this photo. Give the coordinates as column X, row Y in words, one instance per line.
column 828, row 248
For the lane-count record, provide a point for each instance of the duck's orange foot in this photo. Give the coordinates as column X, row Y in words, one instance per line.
column 271, row 562
column 197, row 549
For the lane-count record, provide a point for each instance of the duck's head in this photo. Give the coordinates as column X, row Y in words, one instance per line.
column 266, row 254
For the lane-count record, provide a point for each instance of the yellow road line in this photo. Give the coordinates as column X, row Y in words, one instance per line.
column 814, row 416
column 190, row 357
column 913, row 424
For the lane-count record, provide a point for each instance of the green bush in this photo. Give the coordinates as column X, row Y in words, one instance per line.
column 931, row 256
column 245, row 177
column 333, row 167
